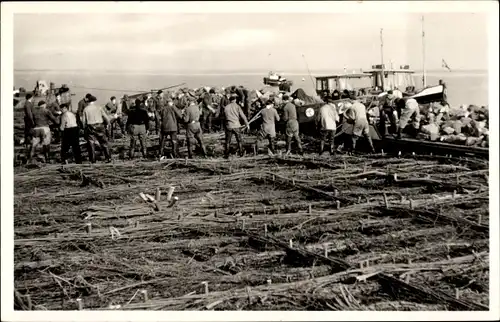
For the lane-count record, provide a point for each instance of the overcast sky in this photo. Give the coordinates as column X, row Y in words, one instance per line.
column 225, row 42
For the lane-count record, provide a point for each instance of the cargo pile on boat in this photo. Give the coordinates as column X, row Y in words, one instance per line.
column 464, row 125
column 254, row 233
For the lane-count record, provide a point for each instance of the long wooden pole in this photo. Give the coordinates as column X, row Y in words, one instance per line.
column 424, row 81
column 382, row 57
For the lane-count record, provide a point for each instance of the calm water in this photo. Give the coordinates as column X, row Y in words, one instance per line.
column 463, row 87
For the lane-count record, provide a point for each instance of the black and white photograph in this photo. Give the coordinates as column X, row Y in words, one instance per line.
column 251, row 160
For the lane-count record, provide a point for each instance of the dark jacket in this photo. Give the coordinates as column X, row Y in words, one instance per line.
column 168, row 118
column 28, row 115
column 138, row 116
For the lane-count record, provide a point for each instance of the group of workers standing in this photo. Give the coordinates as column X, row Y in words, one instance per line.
column 168, row 113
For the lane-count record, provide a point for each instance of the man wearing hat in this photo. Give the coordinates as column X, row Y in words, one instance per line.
column 66, row 96
column 231, row 115
column 356, row 115
column 169, row 115
column 326, row 120
column 42, row 117
column 94, row 121
column 82, row 104
column 268, row 127
column 193, row 129
column 138, row 126
column 292, row 125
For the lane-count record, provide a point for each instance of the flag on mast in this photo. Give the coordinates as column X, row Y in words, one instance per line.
column 445, row 65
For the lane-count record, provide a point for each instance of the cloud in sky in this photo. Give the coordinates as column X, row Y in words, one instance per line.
column 244, row 41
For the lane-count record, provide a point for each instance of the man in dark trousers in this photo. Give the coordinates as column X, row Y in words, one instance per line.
column 153, row 113
column 193, row 129
column 82, row 104
column 94, row 121
column 70, row 135
column 292, row 125
column 268, row 128
column 138, row 126
column 169, row 115
column 28, row 122
column 231, row 115
column 207, row 110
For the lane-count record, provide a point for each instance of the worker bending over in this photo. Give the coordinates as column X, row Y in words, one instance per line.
column 410, row 112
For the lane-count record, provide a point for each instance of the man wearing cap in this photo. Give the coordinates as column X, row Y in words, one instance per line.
column 292, row 125
column 138, row 126
column 231, row 115
column 268, row 127
column 356, row 115
column 42, row 117
column 193, row 129
column 82, row 104
column 70, row 135
column 326, row 121
column 115, row 115
column 169, row 115
column 94, row 121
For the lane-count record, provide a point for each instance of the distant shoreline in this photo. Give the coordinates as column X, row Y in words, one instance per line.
column 226, row 73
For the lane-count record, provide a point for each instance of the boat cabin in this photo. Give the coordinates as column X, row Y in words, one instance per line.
column 371, row 81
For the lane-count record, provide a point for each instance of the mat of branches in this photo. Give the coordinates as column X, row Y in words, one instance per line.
column 254, row 233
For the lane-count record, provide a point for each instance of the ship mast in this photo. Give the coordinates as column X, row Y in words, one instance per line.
column 382, row 58
column 423, row 55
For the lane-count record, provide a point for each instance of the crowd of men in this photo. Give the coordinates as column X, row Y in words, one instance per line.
column 167, row 114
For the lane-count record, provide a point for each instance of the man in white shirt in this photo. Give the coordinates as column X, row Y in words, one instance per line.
column 327, row 122
column 356, row 115
column 411, row 111
column 70, row 135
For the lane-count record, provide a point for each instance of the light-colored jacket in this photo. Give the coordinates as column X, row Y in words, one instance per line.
column 328, row 117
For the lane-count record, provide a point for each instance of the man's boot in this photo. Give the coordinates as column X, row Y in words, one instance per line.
column 240, row 149
column 175, row 149
column 321, row 147
column 333, row 151
column 91, row 148
column 107, row 154
column 46, row 153
column 288, row 145
column 370, row 143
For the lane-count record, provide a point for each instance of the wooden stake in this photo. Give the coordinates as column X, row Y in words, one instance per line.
column 395, row 177
column 170, row 193
column 279, row 210
column 411, row 204
column 409, row 261
column 359, row 199
column 457, row 293
column 137, row 224
column 386, row 201
column 265, row 230
column 80, row 304
column 145, row 295
column 457, row 177
column 338, row 204
column 336, row 193
column 479, row 219
column 399, row 154
column 291, row 243
column 158, row 194
column 382, row 152
column 28, row 299
column 206, row 286
column 293, row 182
column 454, row 194
column 325, row 249
column 407, row 278
column 89, row 228
column 310, row 208
column 269, row 282
column 364, row 167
